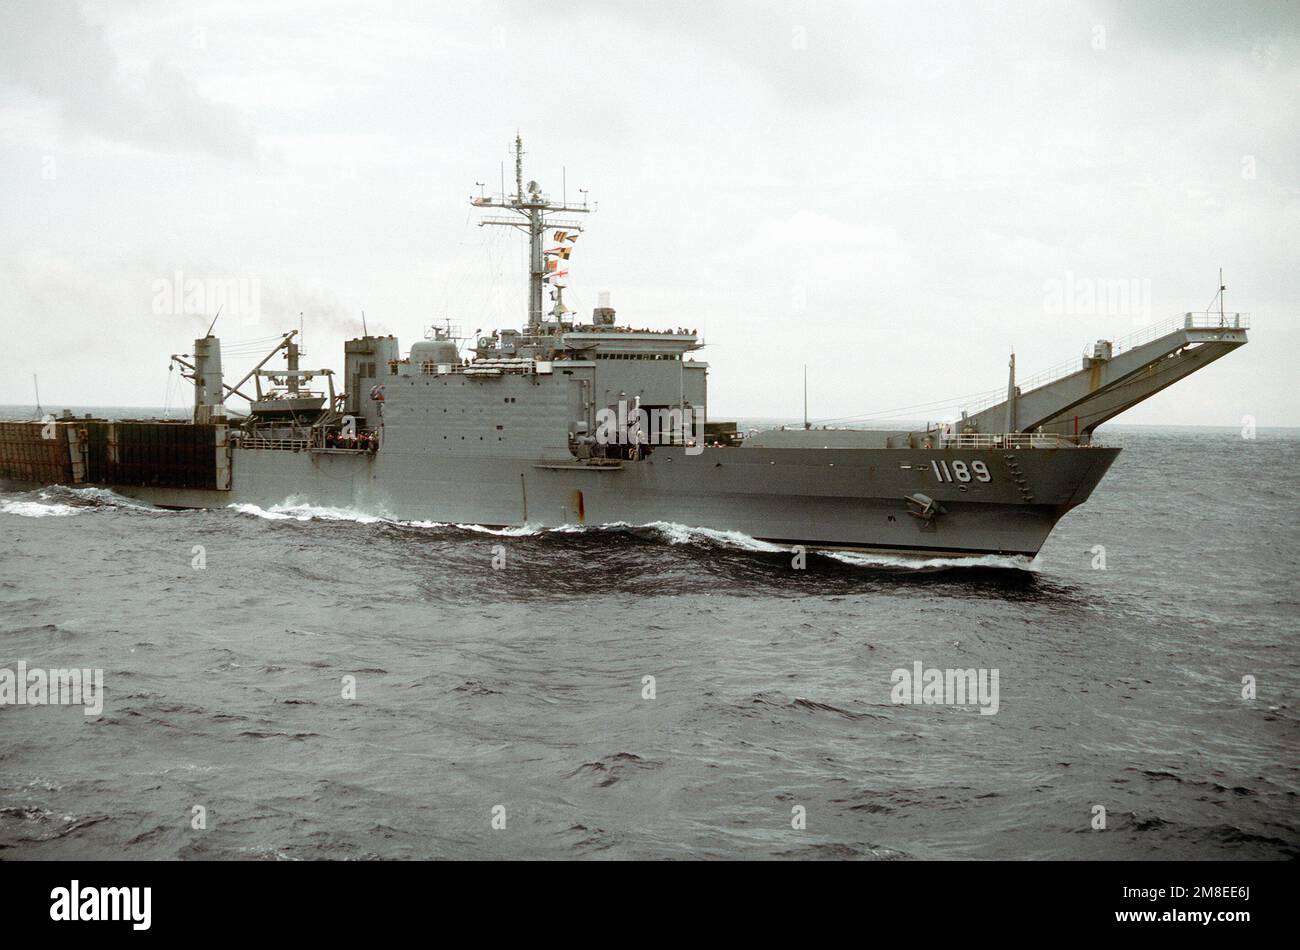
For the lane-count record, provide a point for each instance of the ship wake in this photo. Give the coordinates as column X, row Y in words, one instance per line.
column 294, row 510
column 735, row 540
column 655, row 532
column 60, row 501
column 891, row 562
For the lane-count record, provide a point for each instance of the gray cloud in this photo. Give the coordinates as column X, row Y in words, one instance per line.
column 51, row 49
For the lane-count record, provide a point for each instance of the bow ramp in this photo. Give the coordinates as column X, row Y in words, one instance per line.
column 1074, row 399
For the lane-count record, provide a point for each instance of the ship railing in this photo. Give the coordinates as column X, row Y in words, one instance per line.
column 1186, row 321
column 1016, row 440
column 283, row 445
column 333, row 440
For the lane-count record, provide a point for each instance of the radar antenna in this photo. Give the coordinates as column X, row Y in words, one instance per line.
column 535, row 209
column 1219, row 298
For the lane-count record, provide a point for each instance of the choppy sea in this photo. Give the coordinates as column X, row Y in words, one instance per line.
column 329, row 684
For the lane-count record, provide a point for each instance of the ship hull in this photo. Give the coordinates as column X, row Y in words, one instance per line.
column 837, row 499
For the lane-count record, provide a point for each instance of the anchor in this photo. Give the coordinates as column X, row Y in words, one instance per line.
column 927, row 509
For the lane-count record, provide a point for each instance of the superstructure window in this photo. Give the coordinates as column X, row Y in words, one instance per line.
column 637, row 356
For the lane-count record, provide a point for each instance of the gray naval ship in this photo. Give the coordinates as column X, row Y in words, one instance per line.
column 586, row 422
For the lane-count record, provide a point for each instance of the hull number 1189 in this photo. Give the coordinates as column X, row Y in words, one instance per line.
column 959, row 471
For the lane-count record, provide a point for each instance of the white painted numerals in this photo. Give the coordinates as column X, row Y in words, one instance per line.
column 960, row 471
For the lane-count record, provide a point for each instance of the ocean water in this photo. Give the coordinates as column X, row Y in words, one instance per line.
column 505, row 712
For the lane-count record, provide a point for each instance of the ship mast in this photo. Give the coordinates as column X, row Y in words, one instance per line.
column 533, row 212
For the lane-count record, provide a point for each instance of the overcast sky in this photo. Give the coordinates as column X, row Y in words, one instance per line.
column 893, row 193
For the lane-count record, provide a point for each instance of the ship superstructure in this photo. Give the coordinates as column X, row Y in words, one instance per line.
column 589, row 421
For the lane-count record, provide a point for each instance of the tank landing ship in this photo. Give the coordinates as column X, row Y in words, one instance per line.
column 589, row 422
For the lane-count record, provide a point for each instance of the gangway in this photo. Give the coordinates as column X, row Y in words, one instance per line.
column 1116, row 376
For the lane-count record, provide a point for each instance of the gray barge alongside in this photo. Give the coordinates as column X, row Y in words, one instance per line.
column 593, row 422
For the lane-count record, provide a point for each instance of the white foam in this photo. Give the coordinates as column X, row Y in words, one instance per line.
column 865, row 559
column 49, row 503
column 675, row 533
column 671, row 532
column 518, row 531
column 257, row 511
column 293, row 510
column 38, row 509
column 106, row 496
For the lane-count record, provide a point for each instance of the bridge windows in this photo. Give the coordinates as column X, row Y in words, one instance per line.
column 637, row 356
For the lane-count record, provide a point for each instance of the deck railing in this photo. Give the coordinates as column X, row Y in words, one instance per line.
column 1016, row 440
column 282, row 445
column 300, row 445
column 1186, row 321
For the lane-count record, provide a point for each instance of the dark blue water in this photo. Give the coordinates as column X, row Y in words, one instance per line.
column 523, row 687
